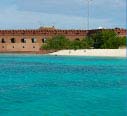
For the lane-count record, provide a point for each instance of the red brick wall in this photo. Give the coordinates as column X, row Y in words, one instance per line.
column 39, row 34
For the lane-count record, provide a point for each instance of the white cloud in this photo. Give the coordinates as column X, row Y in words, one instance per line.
column 25, row 19
column 63, row 14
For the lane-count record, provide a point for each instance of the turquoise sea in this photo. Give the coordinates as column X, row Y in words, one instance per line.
column 36, row 85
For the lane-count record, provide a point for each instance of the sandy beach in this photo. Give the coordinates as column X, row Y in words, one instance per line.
column 92, row 52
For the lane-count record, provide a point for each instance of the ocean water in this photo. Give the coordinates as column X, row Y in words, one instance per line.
column 33, row 85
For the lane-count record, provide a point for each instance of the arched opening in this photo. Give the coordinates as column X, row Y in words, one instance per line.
column 34, row 40
column 3, row 40
column 44, row 40
column 77, row 39
column 118, row 33
column 23, row 40
column 13, row 40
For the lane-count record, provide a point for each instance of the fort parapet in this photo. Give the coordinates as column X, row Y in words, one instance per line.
column 32, row 40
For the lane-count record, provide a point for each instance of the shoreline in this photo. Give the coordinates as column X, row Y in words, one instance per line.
column 82, row 52
column 92, row 52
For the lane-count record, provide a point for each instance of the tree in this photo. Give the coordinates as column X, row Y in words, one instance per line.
column 87, row 43
column 122, row 41
column 57, row 42
column 105, row 39
column 75, row 44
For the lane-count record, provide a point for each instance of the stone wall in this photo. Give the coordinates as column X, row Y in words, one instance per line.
column 7, row 45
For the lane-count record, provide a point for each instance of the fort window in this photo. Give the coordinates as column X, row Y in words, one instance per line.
column 23, row 40
column 77, row 33
column 3, row 40
column 13, row 40
column 2, row 46
column 33, row 46
column 44, row 40
column 77, row 39
column 66, row 32
column 13, row 47
column 34, row 40
column 118, row 32
column 23, row 47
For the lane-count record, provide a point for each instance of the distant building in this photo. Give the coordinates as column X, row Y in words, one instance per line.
column 100, row 28
column 32, row 40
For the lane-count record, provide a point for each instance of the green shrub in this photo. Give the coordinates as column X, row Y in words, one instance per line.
column 104, row 39
column 57, row 43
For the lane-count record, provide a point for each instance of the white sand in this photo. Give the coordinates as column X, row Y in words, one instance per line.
column 93, row 52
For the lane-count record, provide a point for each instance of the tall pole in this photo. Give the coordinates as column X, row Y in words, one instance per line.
column 88, row 17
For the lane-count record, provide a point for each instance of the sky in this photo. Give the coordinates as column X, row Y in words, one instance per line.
column 63, row 14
